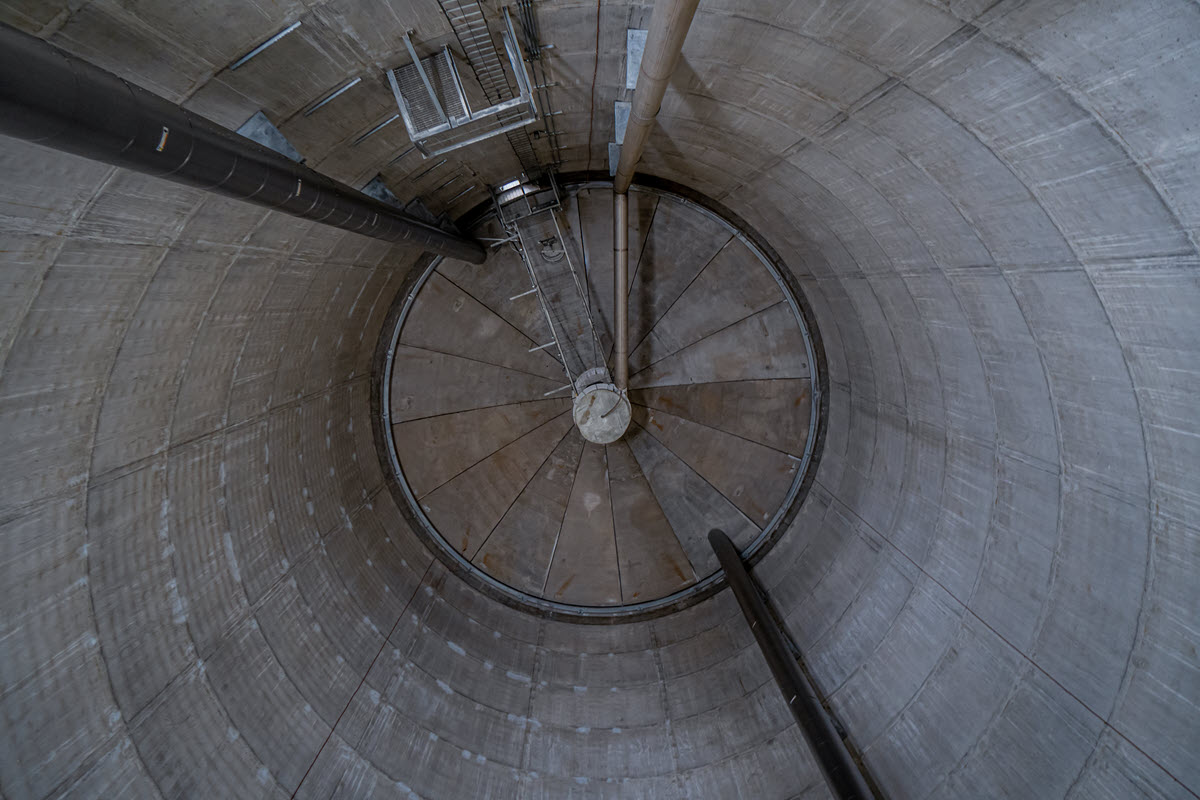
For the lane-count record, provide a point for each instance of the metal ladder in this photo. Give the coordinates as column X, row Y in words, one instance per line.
column 471, row 29
column 551, row 255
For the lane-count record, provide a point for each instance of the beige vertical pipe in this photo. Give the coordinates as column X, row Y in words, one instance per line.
column 621, row 287
column 664, row 42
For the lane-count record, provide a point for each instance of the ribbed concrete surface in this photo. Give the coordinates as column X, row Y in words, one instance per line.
column 994, row 210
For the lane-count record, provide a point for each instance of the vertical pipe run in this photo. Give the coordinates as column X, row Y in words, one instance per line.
column 842, row 775
column 664, row 42
column 621, row 288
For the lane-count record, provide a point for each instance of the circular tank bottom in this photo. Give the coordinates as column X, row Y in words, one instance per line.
column 493, row 465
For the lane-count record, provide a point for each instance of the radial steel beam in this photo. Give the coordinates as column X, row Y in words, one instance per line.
column 54, row 99
column 841, row 773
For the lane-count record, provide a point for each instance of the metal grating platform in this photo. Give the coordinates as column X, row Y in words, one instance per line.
column 428, row 111
column 429, row 93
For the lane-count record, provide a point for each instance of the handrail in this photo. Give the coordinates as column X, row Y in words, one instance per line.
column 841, row 773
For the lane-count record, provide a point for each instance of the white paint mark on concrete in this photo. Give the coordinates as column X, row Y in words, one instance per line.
column 164, row 512
column 456, row 648
column 178, row 606
column 264, row 776
column 232, row 557
column 231, row 734
column 445, row 687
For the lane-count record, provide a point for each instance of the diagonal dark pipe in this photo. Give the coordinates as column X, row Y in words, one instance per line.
column 54, row 99
column 841, row 773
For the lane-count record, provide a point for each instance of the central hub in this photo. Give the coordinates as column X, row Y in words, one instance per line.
column 601, row 413
column 601, row 410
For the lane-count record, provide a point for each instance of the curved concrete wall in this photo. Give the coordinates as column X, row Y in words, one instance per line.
column 993, row 209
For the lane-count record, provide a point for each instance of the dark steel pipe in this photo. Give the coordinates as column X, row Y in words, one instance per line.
column 841, row 773
column 54, row 99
